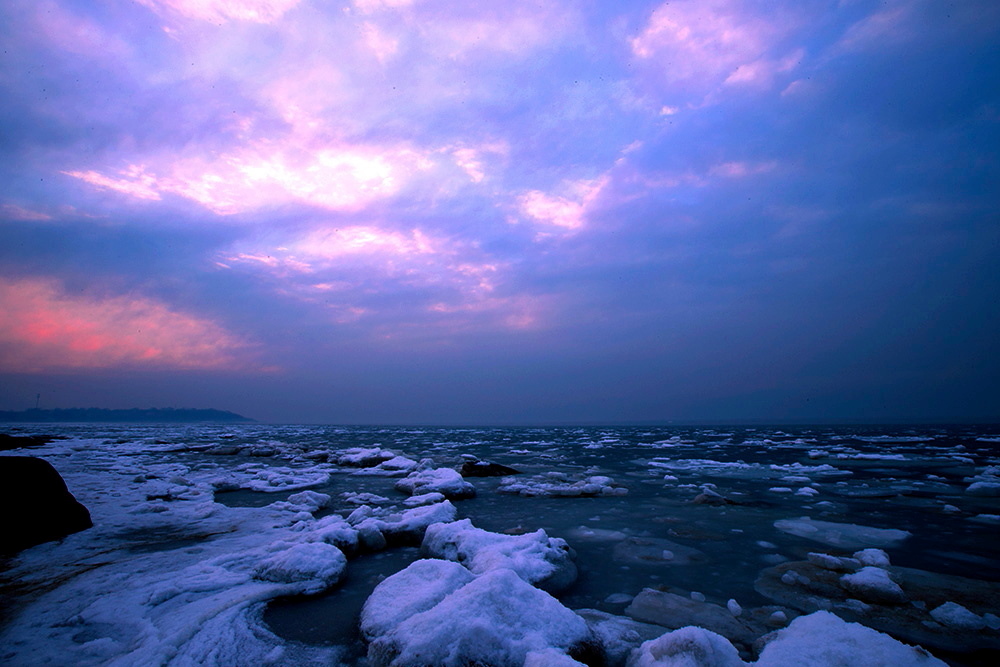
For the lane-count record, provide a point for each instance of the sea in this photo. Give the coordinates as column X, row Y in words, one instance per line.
column 699, row 511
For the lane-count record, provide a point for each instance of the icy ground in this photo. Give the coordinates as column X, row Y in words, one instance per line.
column 264, row 545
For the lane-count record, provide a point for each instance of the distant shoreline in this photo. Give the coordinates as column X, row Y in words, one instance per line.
column 133, row 415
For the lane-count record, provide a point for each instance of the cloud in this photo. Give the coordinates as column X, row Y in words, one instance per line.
column 569, row 210
column 383, row 280
column 221, row 11
column 334, row 176
column 46, row 328
column 887, row 27
column 15, row 212
column 693, row 46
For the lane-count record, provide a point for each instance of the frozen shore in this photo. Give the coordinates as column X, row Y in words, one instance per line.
column 599, row 554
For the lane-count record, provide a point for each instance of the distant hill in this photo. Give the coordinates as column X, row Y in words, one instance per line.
column 154, row 415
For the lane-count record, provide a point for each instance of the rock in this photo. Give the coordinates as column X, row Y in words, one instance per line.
column 8, row 442
column 546, row 562
column 37, row 506
column 494, row 619
column 486, row 469
column 809, row 588
column 676, row 611
column 618, row 635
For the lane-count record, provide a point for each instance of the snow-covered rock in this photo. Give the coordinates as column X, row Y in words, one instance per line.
column 364, row 457
column 873, row 584
column 686, row 647
column 413, row 590
column 332, row 529
column 313, row 566
column 822, row 639
column 873, row 557
column 495, row 619
column 546, row 562
column 955, row 615
column 436, row 480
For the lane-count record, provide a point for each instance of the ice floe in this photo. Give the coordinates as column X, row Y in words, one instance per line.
column 844, row 535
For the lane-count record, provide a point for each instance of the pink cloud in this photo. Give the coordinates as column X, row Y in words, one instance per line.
column 219, row 11
column 46, row 328
column 136, row 182
column 568, row 210
column 15, row 212
column 697, row 45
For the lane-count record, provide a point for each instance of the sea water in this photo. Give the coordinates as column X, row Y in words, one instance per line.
column 695, row 510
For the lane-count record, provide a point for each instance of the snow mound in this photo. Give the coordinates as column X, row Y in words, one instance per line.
column 546, row 562
column 314, row 566
column 436, row 480
column 495, row 619
column 415, row 589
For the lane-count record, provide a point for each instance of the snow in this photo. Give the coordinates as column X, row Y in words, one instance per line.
column 873, row 584
column 561, row 485
column 955, row 615
column 496, row 619
column 445, row 481
column 314, row 566
column 820, row 639
column 415, row 589
column 686, row 647
column 275, row 479
column 874, row 557
column 535, row 557
column 843, row 535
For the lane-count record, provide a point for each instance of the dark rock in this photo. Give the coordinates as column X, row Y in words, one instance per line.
column 675, row 611
column 8, row 441
column 807, row 587
column 486, row 469
column 35, row 505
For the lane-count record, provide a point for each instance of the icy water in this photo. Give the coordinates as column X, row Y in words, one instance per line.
column 650, row 533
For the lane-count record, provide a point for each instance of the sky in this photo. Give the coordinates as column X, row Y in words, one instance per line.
column 527, row 212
